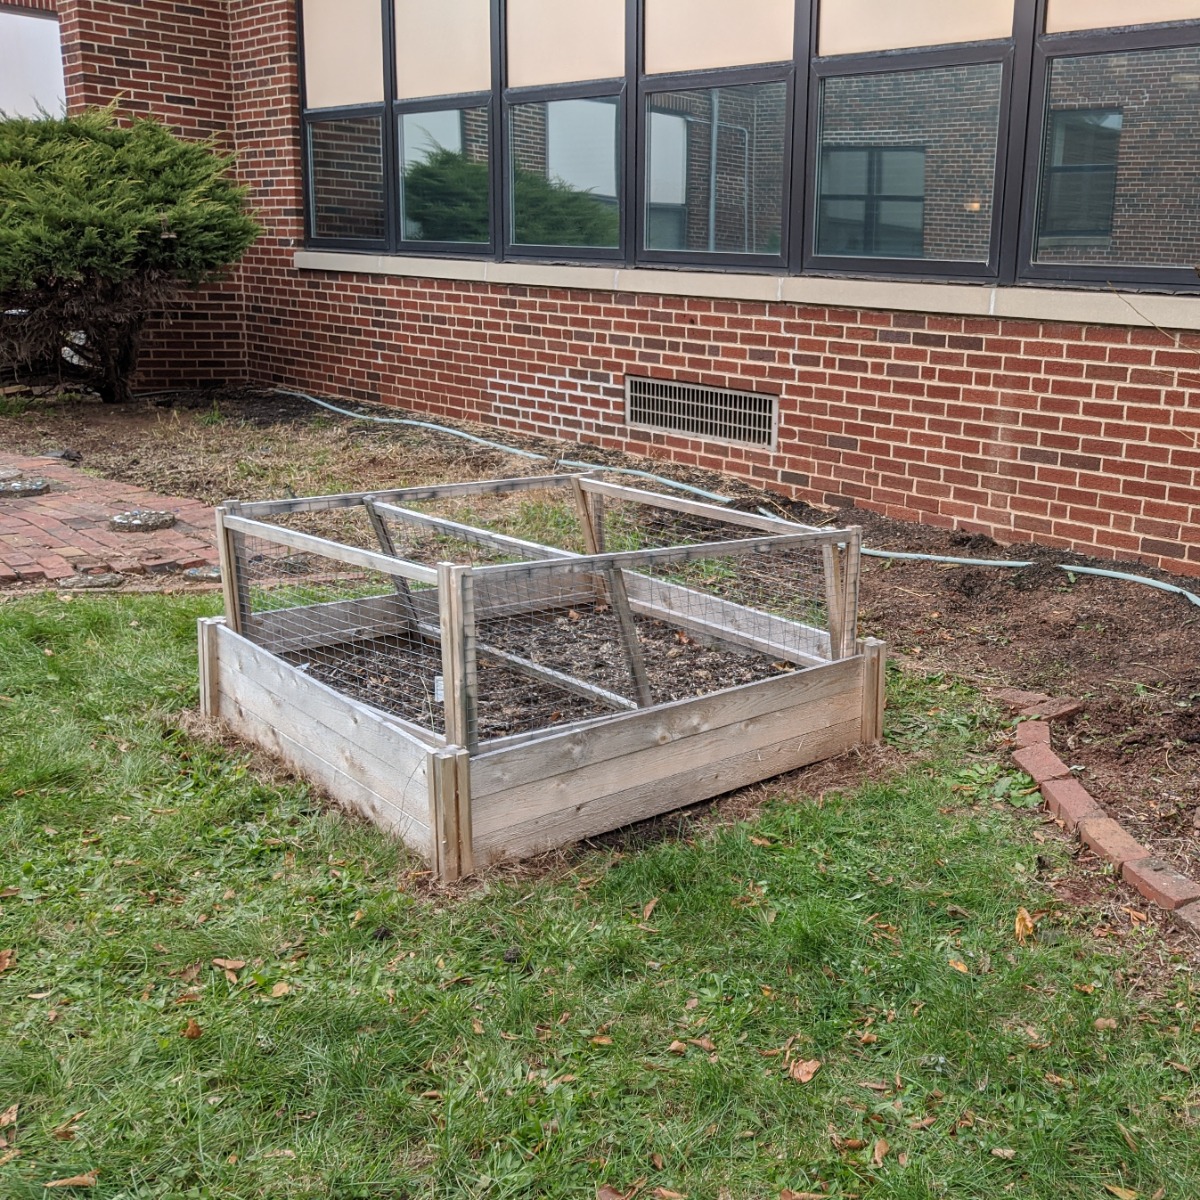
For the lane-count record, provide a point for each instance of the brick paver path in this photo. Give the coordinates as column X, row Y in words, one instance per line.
column 65, row 531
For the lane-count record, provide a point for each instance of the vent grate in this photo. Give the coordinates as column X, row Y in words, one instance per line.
column 709, row 412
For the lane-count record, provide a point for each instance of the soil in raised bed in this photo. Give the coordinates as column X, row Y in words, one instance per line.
column 397, row 676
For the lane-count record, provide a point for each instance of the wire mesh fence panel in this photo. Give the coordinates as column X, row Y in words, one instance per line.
column 371, row 635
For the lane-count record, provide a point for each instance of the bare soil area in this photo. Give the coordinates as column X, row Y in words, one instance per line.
column 1127, row 652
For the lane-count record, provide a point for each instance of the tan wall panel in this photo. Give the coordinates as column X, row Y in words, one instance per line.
column 343, row 52
column 859, row 26
column 694, row 35
column 565, row 41
column 1065, row 15
column 442, row 48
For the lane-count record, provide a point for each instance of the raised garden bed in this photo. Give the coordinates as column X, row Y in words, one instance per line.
column 488, row 695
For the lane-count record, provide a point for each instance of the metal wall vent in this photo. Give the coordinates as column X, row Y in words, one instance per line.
column 709, row 412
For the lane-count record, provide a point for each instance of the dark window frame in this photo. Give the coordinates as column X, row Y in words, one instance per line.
column 872, row 198
column 1026, row 59
column 656, row 85
column 1054, row 118
column 1084, row 43
column 888, row 63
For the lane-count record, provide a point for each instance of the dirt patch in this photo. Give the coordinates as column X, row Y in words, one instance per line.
column 1128, row 652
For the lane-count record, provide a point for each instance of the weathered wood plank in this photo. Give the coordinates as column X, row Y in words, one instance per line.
column 874, row 687
column 715, row 512
column 351, row 737
column 438, row 491
column 450, row 800
column 614, row 738
column 231, row 586
column 588, row 816
column 734, row 623
column 656, row 765
column 372, row 560
column 210, row 675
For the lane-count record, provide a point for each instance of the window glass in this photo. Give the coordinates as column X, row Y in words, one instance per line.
column 343, row 52
column 565, row 175
column 1120, row 172
column 716, row 162
column 862, row 26
column 696, row 35
column 907, row 164
column 1065, row 15
column 31, row 65
column 442, row 49
column 346, row 178
column 444, row 191
column 565, row 41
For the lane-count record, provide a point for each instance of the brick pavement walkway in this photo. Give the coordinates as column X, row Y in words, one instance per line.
column 65, row 531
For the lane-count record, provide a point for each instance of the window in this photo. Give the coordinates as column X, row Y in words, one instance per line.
column 1120, row 164
column 444, row 183
column 346, row 179
column 31, row 65
column 715, row 169
column 907, row 164
column 565, row 173
column 1080, row 174
column 872, row 201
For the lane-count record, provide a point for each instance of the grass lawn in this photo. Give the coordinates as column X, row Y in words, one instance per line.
column 649, row 1019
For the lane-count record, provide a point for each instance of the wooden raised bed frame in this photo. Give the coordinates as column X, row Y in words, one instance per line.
column 463, row 805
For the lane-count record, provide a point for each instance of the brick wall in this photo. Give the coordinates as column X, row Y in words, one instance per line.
column 1086, row 437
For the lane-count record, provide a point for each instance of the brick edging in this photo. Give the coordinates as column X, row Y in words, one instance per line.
column 1071, row 803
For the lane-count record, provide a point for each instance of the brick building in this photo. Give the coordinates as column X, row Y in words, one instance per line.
column 950, row 248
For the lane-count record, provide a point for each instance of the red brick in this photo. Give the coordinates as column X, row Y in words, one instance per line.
column 1032, row 733
column 1041, row 763
column 1159, row 883
column 1105, row 838
column 1053, row 710
column 1016, row 699
column 1188, row 917
column 1070, row 802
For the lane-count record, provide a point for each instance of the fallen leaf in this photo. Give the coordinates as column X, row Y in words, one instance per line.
column 6, row 959
column 1086, row 988
column 229, row 964
column 601, row 1041
column 650, row 907
column 902, row 1159
column 662, row 1193
column 1101, row 1023
column 677, row 1048
column 280, row 1154
column 880, row 1152
column 66, row 1131
column 476, row 1024
column 657, row 1160
column 7, row 1158
column 88, row 1180
column 923, row 1123
column 6, row 892
column 1056, row 1080
column 1128, row 1137
column 1024, row 926
column 1121, row 1193
column 788, row 1194
column 280, row 989
column 705, row 1043
column 958, row 965
column 757, row 841
column 609, row 1193
column 193, row 1030
column 868, row 1039
column 802, row 1072
column 9, row 1116
column 1178, row 1066
column 1007, row 1155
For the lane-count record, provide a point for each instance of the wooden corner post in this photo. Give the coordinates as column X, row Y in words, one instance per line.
column 450, row 813
column 231, row 585
column 460, row 684
column 874, row 654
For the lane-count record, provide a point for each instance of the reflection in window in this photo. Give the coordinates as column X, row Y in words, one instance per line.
column 872, row 201
column 444, row 176
column 565, row 174
column 1080, row 174
column 1120, row 171
column 715, row 166
column 907, row 164
column 346, row 178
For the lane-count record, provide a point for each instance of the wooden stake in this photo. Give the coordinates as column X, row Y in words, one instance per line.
column 231, row 585
column 384, row 537
column 874, row 653
column 456, row 605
